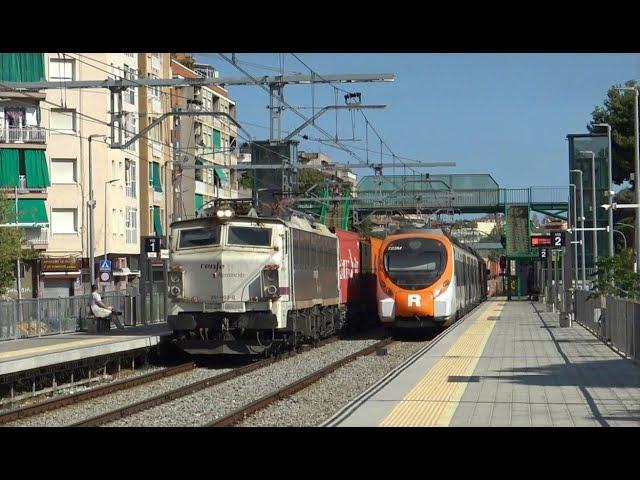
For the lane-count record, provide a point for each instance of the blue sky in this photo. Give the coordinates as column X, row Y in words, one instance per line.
column 503, row 114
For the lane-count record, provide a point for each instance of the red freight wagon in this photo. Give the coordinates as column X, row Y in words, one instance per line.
column 357, row 279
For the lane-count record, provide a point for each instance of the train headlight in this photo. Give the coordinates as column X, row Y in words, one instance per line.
column 220, row 213
column 175, row 283
column 228, row 213
column 270, row 283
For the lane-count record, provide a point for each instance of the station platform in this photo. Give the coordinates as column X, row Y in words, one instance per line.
column 507, row 363
column 38, row 352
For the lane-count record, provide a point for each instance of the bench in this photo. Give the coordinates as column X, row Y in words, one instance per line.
column 92, row 324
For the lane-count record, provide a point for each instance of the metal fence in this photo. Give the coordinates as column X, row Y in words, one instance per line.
column 616, row 321
column 36, row 317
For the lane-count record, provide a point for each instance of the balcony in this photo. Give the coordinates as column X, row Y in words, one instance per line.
column 23, row 189
column 36, row 237
column 29, row 134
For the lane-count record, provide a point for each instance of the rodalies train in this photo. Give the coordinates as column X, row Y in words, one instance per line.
column 427, row 278
column 248, row 284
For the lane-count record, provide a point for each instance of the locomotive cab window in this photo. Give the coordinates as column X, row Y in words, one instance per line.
column 415, row 263
column 249, row 236
column 199, row 237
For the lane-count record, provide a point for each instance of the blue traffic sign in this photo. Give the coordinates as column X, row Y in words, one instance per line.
column 105, row 265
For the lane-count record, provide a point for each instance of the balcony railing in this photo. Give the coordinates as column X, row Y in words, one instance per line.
column 29, row 134
column 22, row 187
column 130, row 190
column 36, row 236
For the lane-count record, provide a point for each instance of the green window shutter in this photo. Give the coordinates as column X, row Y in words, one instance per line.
column 157, row 185
column 157, row 224
column 217, row 141
column 222, row 175
column 199, row 201
column 22, row 67
column 9, row 167
column 36, row 171
column 32, row 211
column 199, row 161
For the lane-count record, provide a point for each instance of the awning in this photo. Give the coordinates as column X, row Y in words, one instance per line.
column 76, row 273
column 217, row 141
column 221, row 175
column 157, row 184
column 126, row 272
column 157, row 224
column 199, row 201
column 9, row 167
column 35, row 165
column 22, row 67
column 32, row 211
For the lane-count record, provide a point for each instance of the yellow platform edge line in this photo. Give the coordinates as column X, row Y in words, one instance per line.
column 433, row 400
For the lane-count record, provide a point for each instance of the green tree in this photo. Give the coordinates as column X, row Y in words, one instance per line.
column 617, row 111
column 246, row 180
column 188, row 60
column 10, row 246
column 307, row 178
column 616, row 276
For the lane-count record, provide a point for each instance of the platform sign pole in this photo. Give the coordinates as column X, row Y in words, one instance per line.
column 143, row 281
column 549, row 273
column 567, row 317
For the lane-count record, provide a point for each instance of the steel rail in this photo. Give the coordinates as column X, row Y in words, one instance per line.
column 118, row 385
column 185, row 390
column 247, row 410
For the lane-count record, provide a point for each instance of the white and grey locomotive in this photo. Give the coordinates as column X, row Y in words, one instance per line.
column 247, row 284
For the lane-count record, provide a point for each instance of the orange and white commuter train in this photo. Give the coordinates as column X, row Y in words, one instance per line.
column 427, row 278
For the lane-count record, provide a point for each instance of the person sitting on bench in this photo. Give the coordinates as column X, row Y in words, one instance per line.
column 101, row 309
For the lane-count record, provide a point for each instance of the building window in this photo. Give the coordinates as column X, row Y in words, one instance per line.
column 63, row 170
column 131, row 223
column 130, row 177
column 114, row 222
column 113, row 169
column 63, row 120
column 64, row 220
column 121, row 224
column 62, row 69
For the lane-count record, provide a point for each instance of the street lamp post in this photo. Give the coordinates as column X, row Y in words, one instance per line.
column 584, row 265
column 92, row 204
column 609, row 185
column 593, row 201
column 575, row 233
column 105, row 213
column 636, row 176
column 623, row 237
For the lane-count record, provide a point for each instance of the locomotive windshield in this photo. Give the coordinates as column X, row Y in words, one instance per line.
column 199, row 237
column 415, row 263
column 255, row 237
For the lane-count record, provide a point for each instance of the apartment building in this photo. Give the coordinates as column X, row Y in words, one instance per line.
column 71, row 117
column 204, row 140
column 24, row 169
column 155, row 148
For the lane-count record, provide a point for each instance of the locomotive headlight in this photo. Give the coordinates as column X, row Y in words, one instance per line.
column 220, row 213
column 175, row 283
column 228, row 213
column 175, row 291
column 270, row 281
column 175, row 277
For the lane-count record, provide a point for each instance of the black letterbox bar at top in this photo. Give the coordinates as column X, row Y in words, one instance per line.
column 541, row 240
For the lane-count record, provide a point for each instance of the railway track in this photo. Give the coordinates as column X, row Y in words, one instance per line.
column 118, row 385
column 263, row 402
column 189, row 389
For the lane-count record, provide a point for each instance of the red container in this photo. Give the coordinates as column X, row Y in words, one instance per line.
column 350, row 268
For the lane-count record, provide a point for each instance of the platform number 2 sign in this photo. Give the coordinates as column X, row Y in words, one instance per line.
column 558, row 239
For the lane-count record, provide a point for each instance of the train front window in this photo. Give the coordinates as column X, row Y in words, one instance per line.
column 415, row 263
column 254, row 237
column 199, row 237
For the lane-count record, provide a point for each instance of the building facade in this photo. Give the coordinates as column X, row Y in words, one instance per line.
column 74, row 116
column 24, row 167
column 204, row 140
